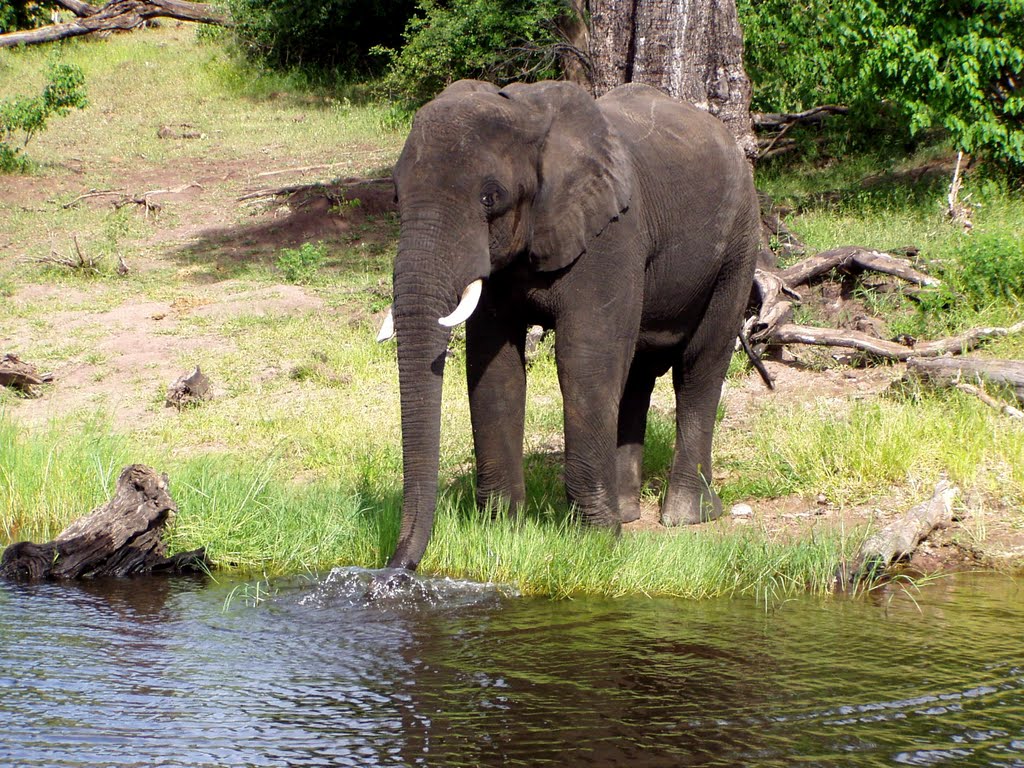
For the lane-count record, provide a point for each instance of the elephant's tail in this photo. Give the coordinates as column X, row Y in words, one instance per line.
column 755, row 359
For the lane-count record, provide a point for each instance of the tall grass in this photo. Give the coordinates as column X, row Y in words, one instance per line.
column 252, row 519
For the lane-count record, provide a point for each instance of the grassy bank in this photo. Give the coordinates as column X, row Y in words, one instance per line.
column 295, row 465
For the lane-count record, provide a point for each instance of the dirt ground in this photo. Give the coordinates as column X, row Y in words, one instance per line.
column 137, row 346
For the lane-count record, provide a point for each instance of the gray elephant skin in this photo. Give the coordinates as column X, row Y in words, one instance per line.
column 628, row 224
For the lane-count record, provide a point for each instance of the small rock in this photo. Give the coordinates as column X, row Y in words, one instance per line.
column 822, row 499
column 741, row 510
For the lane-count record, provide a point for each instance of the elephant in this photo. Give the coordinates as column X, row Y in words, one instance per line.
column 629, row 225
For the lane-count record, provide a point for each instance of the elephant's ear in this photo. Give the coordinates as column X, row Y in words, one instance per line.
column 585, row 175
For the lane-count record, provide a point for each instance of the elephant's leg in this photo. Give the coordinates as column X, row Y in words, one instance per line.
column 496, row 375
column 636, row 401
column 697, row 376
column 592, row 369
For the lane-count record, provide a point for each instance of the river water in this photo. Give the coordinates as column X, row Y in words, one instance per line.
column 307, row 672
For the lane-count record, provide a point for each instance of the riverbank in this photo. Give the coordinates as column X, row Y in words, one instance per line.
column 295, row 463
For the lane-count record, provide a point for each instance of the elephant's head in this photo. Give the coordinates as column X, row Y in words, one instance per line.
column 486, row 177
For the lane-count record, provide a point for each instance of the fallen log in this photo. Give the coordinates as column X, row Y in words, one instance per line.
column 851, row 258
column 116, row 15
column 898, row 540
column 889, row 350
column 123, row 537
column 945, row 371
column 22, row 376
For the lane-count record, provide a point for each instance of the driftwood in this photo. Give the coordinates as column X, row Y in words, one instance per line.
column 115, row 15
column 852, row 258
column 889, row 350
column 899, row 539
column 190, row 389
column 22, row 376
column 123, row 537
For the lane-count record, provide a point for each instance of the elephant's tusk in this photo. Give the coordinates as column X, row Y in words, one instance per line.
column 467, row 304
column 387, row 328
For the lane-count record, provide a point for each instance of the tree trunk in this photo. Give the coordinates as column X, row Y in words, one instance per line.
column 691, row 49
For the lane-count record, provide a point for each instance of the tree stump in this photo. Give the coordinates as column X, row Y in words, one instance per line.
column 190, row 389
column 124, row 537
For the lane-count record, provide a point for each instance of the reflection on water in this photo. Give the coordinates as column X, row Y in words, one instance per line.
column 440, row 673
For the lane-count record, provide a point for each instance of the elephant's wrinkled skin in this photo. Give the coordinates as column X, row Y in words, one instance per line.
column 628, row 224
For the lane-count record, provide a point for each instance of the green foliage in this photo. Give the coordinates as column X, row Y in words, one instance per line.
column 22, row 117
column 920, row 65
column 300, row 265
column 21, row 14
column 495, row 40
column 323, row 35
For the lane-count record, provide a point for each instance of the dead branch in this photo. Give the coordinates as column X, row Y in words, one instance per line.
column 957, row 212
column 22, row 376
column 77, row 7
column 123, row 537
column 117, row 14
column 899, row 539
column 853, row 258
column 79, row 262
column 991, row 402
column 92, row 193
column 773, row 121
column 889, row 350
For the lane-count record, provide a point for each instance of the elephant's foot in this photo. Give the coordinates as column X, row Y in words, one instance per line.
column 690, row 508
column 629, row 509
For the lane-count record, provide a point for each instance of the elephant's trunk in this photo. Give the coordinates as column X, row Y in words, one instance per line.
column 422, row 349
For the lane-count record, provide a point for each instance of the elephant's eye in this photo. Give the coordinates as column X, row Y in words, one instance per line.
column 491, row 194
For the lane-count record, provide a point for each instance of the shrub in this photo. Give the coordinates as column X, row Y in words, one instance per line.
column 300, row 265
column 917, row 64
column 22, row 117
column 324, row 35
column 495, row 40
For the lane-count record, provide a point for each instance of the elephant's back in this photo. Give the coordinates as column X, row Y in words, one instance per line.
column 659, row 129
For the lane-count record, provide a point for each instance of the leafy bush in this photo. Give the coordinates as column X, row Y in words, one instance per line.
column 324, row 35
column 992, row 268
column 19, row 14
column 300, row 265
column 495, row 40
column 22, row 117
column 958, row 65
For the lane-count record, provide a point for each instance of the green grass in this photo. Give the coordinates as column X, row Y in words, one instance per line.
column 252, row 518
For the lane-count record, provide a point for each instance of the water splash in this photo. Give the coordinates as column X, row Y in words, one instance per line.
column 396, row 588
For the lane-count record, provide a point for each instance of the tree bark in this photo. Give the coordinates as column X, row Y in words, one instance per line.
column 124, row 537
column 691, row 49
column 117, row 14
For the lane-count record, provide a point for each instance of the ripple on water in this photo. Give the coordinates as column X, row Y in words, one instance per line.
column 356, row 669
